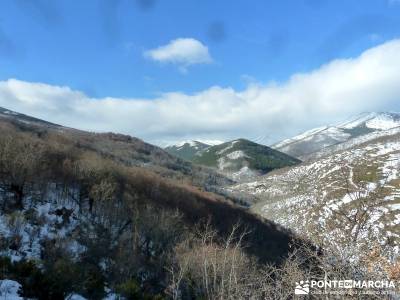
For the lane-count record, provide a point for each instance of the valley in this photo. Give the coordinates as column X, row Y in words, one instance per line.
column 103, row 205
column 109, row 214
column 199, row 150
column 239, row 160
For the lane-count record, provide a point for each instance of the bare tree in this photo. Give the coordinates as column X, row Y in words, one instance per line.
column 215, row 269
column 21, row 163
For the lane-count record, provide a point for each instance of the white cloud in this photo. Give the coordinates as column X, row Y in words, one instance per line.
column 182, row 52
column 328, row 94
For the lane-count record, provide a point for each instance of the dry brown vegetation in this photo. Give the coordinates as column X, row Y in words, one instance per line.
column 134, row 217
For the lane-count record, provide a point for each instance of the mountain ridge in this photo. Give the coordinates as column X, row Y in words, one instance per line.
column 187, row 149
column 242, row 159
column 324, row 197
column 310, row 142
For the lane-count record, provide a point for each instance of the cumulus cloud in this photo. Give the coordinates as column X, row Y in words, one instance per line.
column 182, row 52
column 331, row 93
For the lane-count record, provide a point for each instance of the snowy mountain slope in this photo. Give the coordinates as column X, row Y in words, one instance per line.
column 242, row 159
column 305, row 145
column 359, row 140
column 13, row 116
column 319, row 198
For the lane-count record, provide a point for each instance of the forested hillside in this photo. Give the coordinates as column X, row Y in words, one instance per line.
column 98, row 214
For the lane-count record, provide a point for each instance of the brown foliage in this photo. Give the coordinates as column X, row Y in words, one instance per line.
column 110, row 186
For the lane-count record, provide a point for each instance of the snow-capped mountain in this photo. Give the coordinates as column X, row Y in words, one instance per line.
column 242, row 159
column 354, row 192
column 310, row 143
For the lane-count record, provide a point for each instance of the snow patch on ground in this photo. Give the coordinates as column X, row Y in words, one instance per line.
column 183, row 143
column 75, row 297
column 7, row 112
column 357, row 121
column 51, row 219
column 382, row 122
column 223, row 164
column 236, row 154
column 303, row 136
column 9, row 290
column 244, row 173
column 230, row 146
column 211, row 142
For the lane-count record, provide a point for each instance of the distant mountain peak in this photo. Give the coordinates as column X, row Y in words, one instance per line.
column 373, row 120
column 194, row 143
column 186, row 149
column 317, row 139
column 190, row 143
column 238, row 159
column 242, row 159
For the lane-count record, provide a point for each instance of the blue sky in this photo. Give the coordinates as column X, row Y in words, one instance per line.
column 103, row 48
column 97, row 45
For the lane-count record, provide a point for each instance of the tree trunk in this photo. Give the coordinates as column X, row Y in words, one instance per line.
column 18, row 191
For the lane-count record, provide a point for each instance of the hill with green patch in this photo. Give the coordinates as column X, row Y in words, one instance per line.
column 186, row 150
column 242, row 159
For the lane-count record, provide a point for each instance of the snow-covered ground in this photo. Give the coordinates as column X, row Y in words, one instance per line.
column 236, row 154
column 56, row 216
column 9, row 290
column 318, row 141
column 303, row 136
column 53, row 218
column 194, row 143
column 227, row 148
column 357, row 141
column 309, row 196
